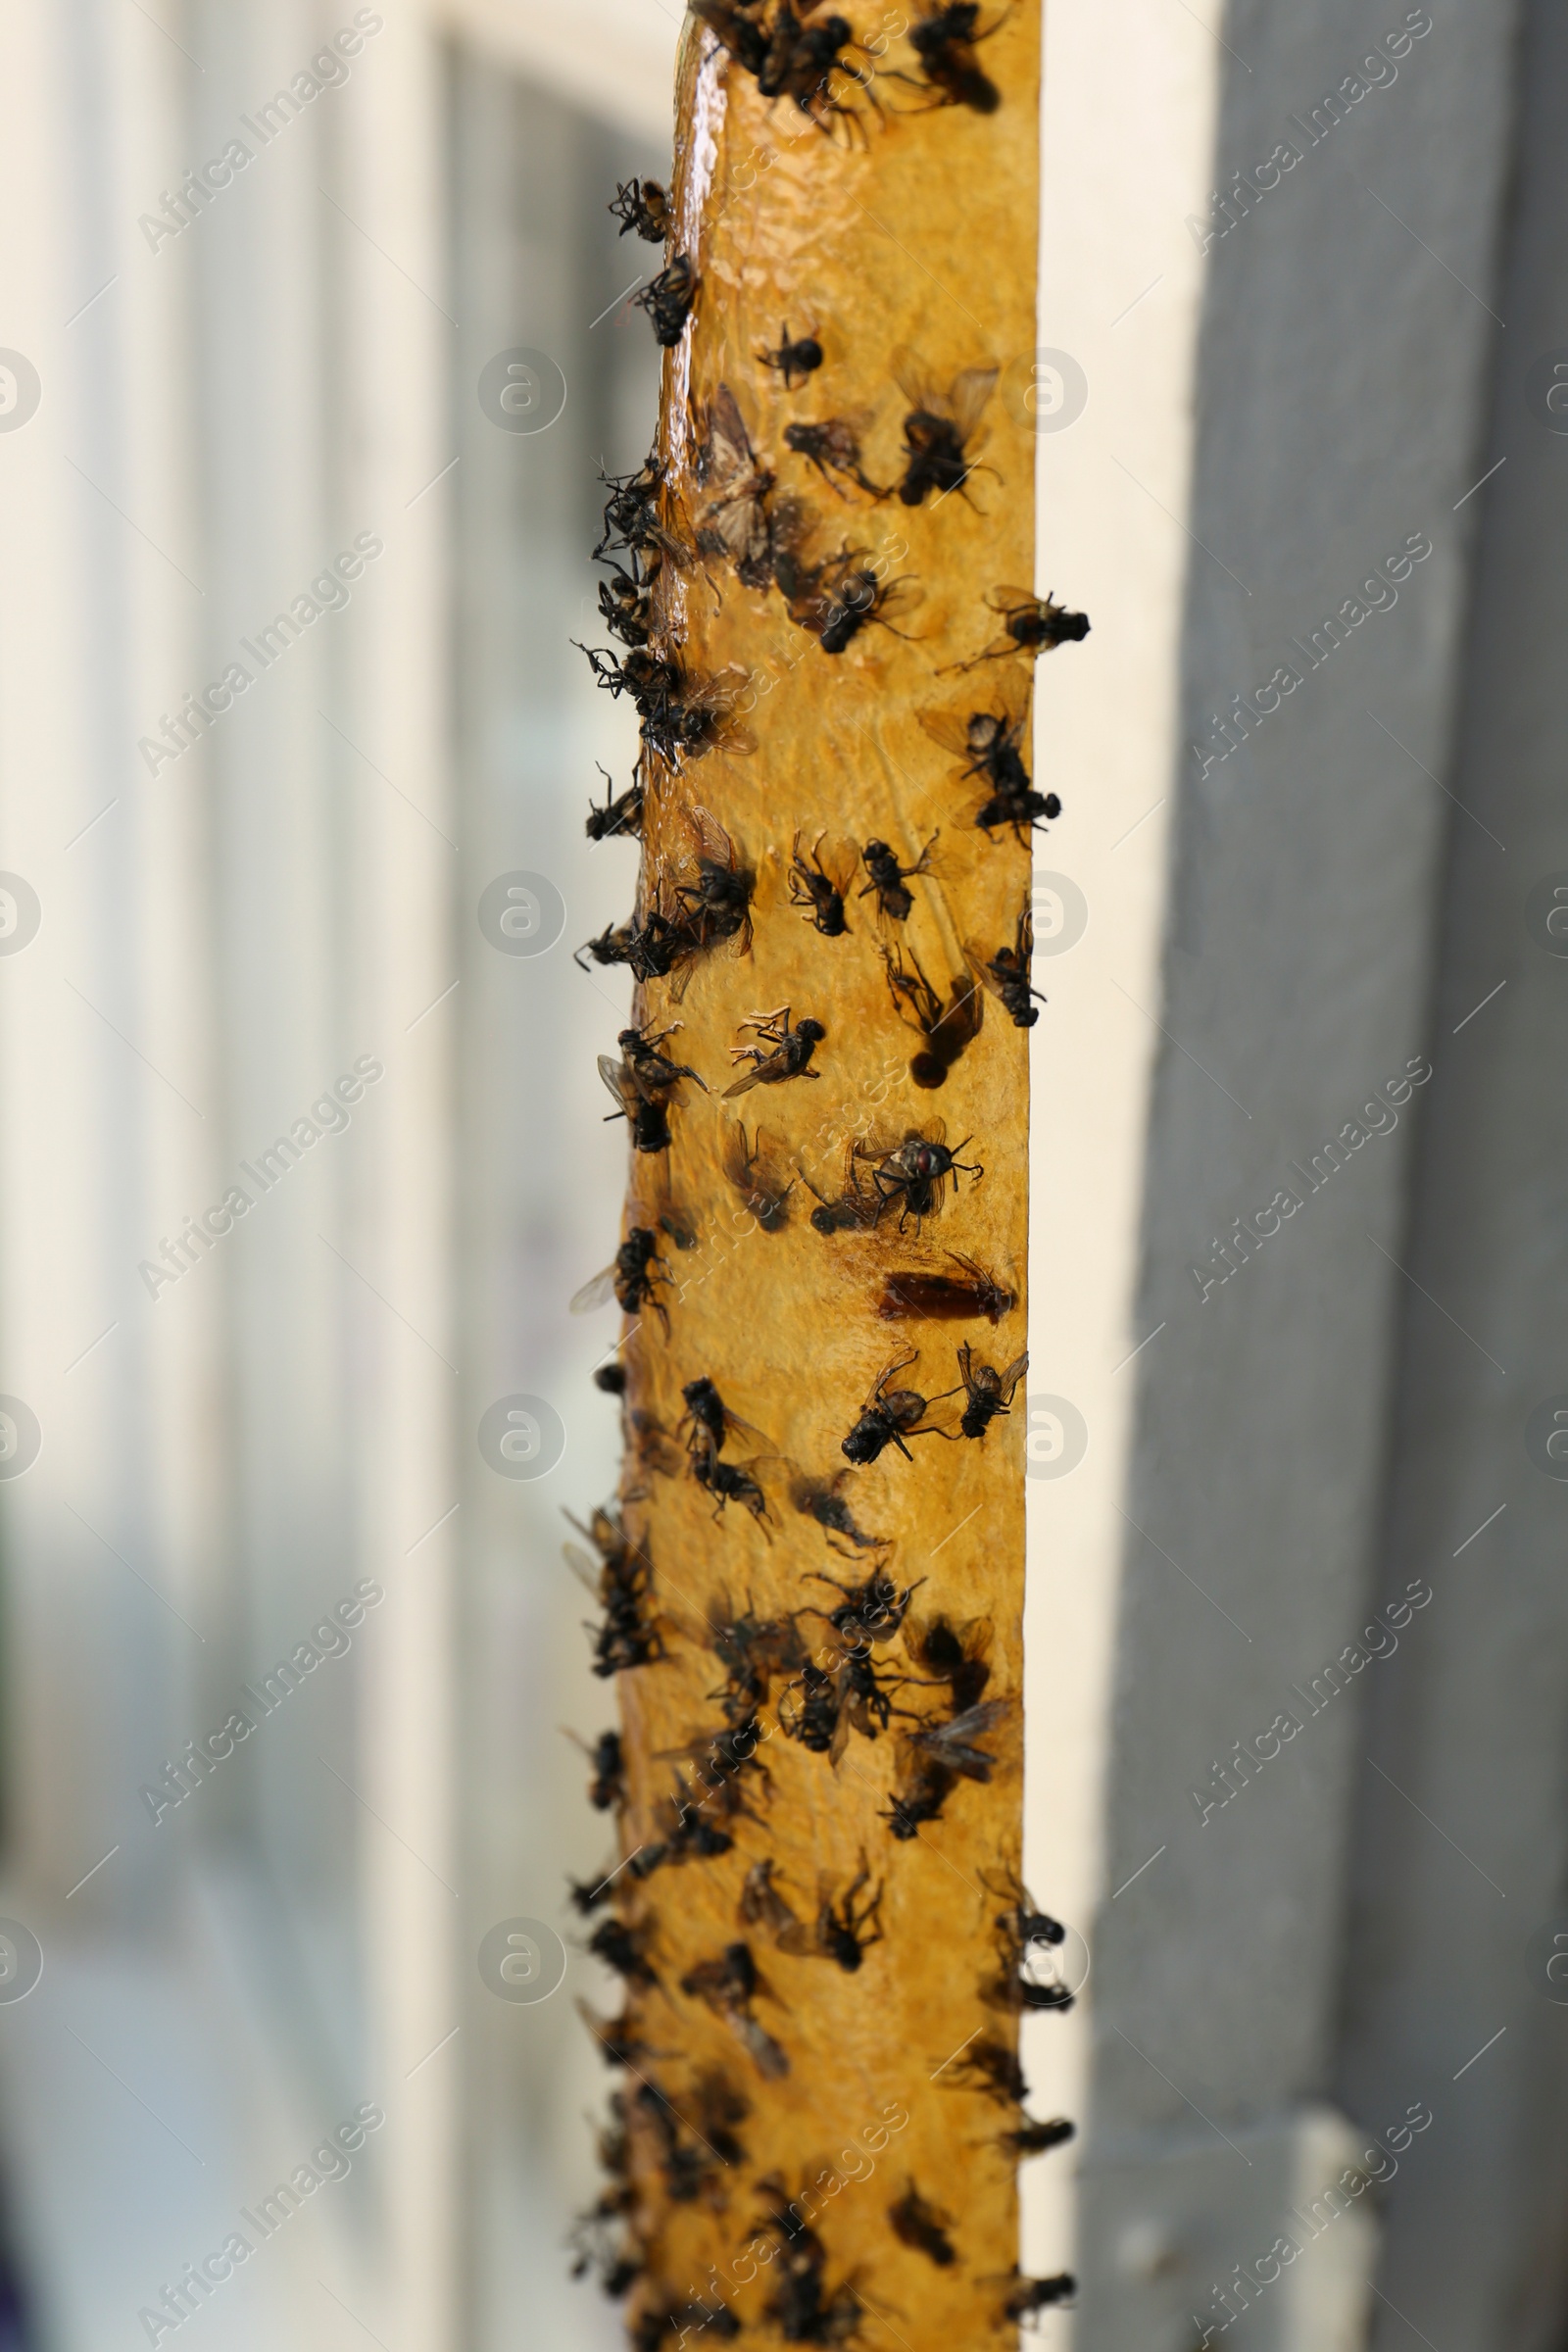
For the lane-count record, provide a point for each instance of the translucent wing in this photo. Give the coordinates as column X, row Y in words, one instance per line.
column 913, row 379
column 950, row 730
column 1011, row 1377
column 972, row 387
column 614, row 1077
column 727, row 451
column 596, row 1292
column 1014, row 600
column 708, row 834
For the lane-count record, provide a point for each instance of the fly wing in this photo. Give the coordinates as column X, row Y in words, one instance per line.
column 598, row 1292
column 1013, row 1375
column 726, row 453
column 951, row 730
column 915, row 381
column 1014, row 600
column 900, row 595
column 757, row 1076
column 979, row 963
column 972, row 387
column 839, row 861
column 619, row 1082
column 713, row 842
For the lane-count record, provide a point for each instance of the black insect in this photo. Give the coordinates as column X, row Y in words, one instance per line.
column 758, row 1177
column 987, row 743
column 633, row 517
column 711, row 1423
column 738, row 24
column 925, row 1788
column 820, row 886
column 916, row 1296
column 682, row 717
column 784, row 1052
column 836, row 599
column 801, row 2306
column 649, row 948
column 952, row 1745
column 728, row 1482
column 588, row 1894
column 840, row 1926
column 826, row 1505
column 623, row 1581
column 918, row 2224
column 683, row 1833
column 753, row 1651
column 630, row 1280
column 833, row 447
column 620, row 1947
column 989, row 1392
column 733, row 520
column 1026, row 2295
column 869, row 1612
column 941, row 428
column 716, row 908
column 621, row 813
column 1030, row 624
column 945, row 44
column 648, row 1116
column 1007, row 973
column 721, row 1757
column 889, row 1416
column 643, row 205
column 831, row 1706
column 888, row 878
column 803, row 60
column 946, row 1028
column 935, row 1757
column 954, row 1654
column 667, row 299
column 608, row 1787
column 645, row 1083
column 800, row 357
column 612, row 1378
column 625, row 602
column 728, row 1985
column 990, row 2066
column 1033, row 2139
column 916, row 1173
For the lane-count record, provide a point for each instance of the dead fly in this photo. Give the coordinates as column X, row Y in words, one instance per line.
column 756, row 1176
column 642, row 204
column 833, row 447
column 752, row 1650
column 832, row 1705
column 801, row 357
column 820, row 886
column 1030, row 624
column 784, row 1052
column 708, row 1420
column 869, row 1612
column 946, row 1028
column 648, row 1116
column 945, row 44
column 728, row 1482
column 738, row 24
column 650, row 949
column 586, row 1896
column 626, row 604
column 889, row 1416
column 732, row 520
column 826, row 1505
column 836, row 599
column 990, row 2067
column 623, row 1584
column 916, row 1173
column 956, row 1655
column 653, row 1075
column 802, row 59
column 632, row 518
column 728, row 1985
column 941, row 427
column 987, row 743
column 837, row 1932
column 916, row 1296
column 629, row 1279
column 888, row 878
column 1007, row 973
column 716, row 907
column 800, row 2306
column 1033, row 2139
column 924, row 2227
column 989, row 1390
column 612, row 1378
column 936, row 1758
column 854, row 1210
column 596, row 2243
column 621, row 813
column 1026, row 1936
column 682, row 717
column 667, row 299
column 719, row 2109
column 684, row 1836
column 1025, row 2297
column 720, row 1757
column 608, row 1787
column 620, row 1947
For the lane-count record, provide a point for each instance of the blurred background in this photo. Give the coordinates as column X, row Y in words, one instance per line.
column 304, row 947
